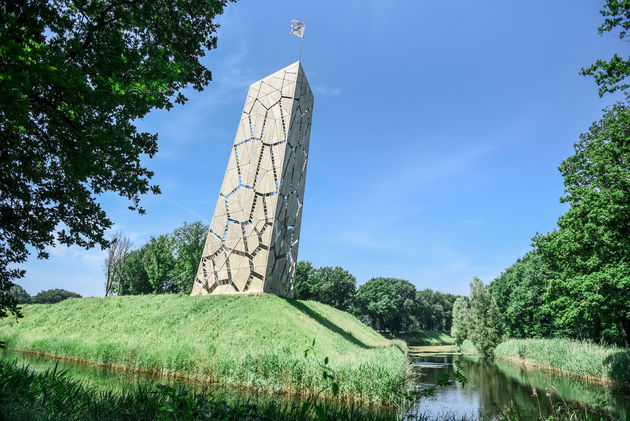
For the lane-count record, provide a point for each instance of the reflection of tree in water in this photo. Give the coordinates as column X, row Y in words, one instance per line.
column 570, row 389
column 499, row 382
column 496, row 390
column 493, row 384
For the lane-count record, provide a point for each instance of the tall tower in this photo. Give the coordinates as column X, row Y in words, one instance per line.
column 253, row 241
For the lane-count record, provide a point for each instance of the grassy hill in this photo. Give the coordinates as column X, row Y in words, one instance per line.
column 425, row 337
column 254, row 341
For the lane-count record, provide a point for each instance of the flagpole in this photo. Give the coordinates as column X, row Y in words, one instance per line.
column 302, row 43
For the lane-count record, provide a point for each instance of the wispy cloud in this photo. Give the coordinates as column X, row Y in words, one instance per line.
column 192, row 212
column 326, row 91
column 91, row 257
column 390, row 209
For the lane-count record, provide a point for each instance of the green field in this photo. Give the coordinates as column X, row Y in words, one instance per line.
column 249, row 341
column 577, row 358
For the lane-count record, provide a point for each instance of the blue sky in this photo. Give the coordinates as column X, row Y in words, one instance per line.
column 437, row 131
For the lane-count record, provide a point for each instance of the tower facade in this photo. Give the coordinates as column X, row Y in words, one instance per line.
column 253, row 240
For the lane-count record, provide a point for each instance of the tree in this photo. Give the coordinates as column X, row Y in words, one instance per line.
column 76, row 76
column 119, row 248
column 328, row 285
column 166, row 264
column 590, row 252
column 484, row 322
column 422, row 309
column 302, row 288
column 159, row 262
column 132, row 276
column 610, row 75
column 52, row 296
column 20, row 294
column 433, row 310
column 519, row 293
column 459, row 330
column 333, row 286
column 187, row 244
column 387, row 302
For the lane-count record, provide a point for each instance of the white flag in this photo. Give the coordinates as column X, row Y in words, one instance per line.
column 297, row 28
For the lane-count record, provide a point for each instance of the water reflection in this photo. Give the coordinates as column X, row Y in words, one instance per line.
column 96, row 376
column 493, row 385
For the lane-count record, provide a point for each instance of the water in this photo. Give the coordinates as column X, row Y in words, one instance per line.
column 491, row 388
column 493, row 385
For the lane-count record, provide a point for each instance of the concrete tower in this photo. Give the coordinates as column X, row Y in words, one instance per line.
column 253, row 241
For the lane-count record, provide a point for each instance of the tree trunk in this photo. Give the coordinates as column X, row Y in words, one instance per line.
column 624, row 327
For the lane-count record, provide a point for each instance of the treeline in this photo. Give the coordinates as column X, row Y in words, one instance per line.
column 384, row 303
column 49, row 296
column 168, row 264
column 165, row 264
column 575, row 283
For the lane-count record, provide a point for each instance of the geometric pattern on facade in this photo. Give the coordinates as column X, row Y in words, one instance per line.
column 252, row 244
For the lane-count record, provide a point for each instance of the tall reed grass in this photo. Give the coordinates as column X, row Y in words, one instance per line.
column 578, row 358
column 53, row 395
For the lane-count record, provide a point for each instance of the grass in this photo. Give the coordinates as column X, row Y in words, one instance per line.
column 52, row 395
column 581, row 359
column 425, row 337
column 248, row 341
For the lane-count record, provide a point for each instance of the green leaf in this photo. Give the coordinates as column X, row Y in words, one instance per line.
column 320, row 413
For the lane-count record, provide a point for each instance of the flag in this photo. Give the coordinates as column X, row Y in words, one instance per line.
column 297, row 28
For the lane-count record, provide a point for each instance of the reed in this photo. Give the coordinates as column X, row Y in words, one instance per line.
column 577, row 358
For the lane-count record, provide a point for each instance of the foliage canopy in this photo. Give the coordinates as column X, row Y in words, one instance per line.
column 611, row 75
column 20, row 294
column 387, row 302
column 590, row 252
column 328, row 285
column 459, row 330
column 52, row 296
column 484, row 320
column 75, row 76
column 519, row 293
column 165, row 264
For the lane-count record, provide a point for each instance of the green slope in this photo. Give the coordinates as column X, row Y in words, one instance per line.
column 425, row 337
column 255, row 341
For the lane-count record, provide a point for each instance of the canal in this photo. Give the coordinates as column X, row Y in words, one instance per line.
column 496, row 386
column 493, row 386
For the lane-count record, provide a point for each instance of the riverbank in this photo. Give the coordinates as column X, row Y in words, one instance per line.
column 53, row 395
column 256, row 342
column 586, row 360
column 424, row 337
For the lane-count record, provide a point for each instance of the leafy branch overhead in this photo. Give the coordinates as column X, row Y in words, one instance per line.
column 74, row 78
column 610, row 75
